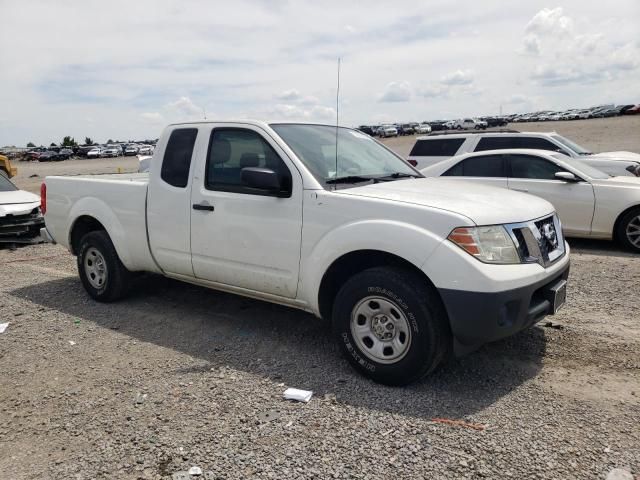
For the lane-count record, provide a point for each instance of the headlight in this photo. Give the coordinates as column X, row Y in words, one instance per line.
column 490, row 244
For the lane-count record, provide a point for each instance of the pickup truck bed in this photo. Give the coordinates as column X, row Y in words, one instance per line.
column 117, row 200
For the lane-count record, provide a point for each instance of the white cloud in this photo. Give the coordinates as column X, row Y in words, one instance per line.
column 550, row 20
column 184, row 106
column 396, row 92
column 289, row 95
column 459, row 77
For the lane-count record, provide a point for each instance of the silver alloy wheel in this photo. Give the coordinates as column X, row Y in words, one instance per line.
column 95, row 268
column 633, row 231
column 380, row 329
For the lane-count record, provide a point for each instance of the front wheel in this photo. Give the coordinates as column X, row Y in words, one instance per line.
column 103, row 275
column 390, row 325
column 628, row 232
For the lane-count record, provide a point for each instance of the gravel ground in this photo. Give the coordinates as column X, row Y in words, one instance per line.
column 177, row 376
column 554, row 402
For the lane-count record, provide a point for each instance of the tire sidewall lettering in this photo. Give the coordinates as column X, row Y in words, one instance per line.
column 354, row 353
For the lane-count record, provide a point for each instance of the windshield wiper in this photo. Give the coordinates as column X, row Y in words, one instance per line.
column 350, row 179
column 401, row 175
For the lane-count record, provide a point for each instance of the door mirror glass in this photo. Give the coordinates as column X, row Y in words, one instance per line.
column 566, row 176
column 260, row 178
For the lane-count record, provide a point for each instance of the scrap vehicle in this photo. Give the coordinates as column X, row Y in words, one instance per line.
column 6, row 169
column 325, row 219
column 20, row 216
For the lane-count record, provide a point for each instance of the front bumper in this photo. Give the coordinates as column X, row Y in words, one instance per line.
column 24, row 229
column 480, row 317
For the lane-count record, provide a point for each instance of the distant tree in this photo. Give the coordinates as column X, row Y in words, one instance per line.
column 53, row 145
column 88, row 141
column 69, row 142
column 31, row 145
column 110, row 141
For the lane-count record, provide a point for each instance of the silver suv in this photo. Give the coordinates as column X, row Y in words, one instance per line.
column 433, row 148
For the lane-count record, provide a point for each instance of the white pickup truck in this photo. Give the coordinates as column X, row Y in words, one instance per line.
column 406, row 268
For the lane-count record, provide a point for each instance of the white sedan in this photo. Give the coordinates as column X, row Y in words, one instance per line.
column 590, row 203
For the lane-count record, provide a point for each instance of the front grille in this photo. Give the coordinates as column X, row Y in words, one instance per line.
column 28, row 225
column 539, row 241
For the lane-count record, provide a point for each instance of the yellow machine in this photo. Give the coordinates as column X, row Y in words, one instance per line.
column 6, row 169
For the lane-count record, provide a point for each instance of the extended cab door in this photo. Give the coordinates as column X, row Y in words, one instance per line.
column 485, row 169
column 169, row 201
column 242, row 236
column 574, row 201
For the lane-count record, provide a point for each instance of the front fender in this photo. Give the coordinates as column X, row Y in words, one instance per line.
column 407, row 241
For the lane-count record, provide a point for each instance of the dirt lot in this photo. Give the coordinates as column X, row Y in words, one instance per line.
column 556, row 401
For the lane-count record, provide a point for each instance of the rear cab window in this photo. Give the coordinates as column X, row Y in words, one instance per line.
column 436, row 147
column 177, row 157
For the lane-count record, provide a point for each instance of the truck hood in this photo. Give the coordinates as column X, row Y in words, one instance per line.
column 484, row 205
column 17, row 202
column 628, row 156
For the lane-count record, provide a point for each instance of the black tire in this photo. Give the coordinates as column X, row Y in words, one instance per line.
column 429, row 334
column 117, row 279
column 459, row 127
column 629, row 222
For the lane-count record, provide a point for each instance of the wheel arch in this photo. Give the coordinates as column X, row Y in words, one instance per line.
column 349, row 264
column 81, row 226
column 619, row 218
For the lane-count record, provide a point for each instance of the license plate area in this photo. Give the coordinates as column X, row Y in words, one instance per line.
column 557, row 295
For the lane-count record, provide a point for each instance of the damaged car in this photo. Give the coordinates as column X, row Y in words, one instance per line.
column 20, row 215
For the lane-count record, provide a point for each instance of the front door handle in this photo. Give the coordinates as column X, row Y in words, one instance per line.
column 203, row 206
column 524, row 190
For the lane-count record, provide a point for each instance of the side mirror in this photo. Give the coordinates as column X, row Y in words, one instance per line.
column 566, row 176
column 260, row 178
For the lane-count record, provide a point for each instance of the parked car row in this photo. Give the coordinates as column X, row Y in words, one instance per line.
column 53, row 154
column 576, row 113
column 426, row 127
column 395, row 129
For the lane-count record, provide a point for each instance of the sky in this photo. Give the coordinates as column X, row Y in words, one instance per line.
column 125, row 69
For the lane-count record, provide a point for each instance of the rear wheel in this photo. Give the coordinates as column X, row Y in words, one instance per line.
column 103, row 275
column 391, row 325
column 628, row 231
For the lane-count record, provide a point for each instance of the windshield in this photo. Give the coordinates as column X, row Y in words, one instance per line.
column 358, row 154
column 6, row 185
column 583, row 168
column 571, row 145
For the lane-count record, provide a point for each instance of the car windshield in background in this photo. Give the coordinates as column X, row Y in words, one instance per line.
column 571, row 145
column 6, row 185
column 583, row 168
column 359, row 158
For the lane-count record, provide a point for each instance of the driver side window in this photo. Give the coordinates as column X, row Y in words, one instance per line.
column 528, row 166
column 231, row 150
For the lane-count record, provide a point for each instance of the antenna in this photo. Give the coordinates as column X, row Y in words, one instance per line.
column 204, row 112
column 337, row 118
